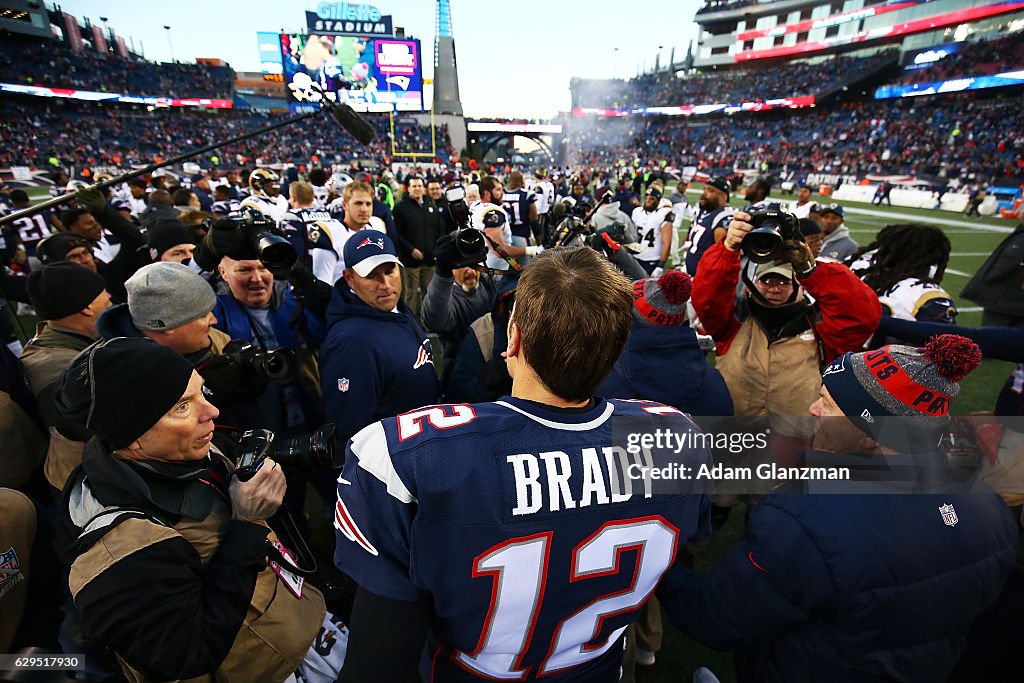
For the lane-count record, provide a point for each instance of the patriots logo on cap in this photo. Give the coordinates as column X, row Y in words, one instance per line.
column 379, row 242
column 837, row 366
column 867, row 416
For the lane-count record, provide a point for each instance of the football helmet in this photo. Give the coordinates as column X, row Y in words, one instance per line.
column 263, row 183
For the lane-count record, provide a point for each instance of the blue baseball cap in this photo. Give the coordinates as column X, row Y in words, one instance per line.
column 368, row 249
column 833, row 208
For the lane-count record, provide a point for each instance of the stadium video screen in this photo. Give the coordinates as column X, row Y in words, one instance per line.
column 369, row 74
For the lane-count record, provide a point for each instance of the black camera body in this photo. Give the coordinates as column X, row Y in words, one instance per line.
column 262, row 239
column 277, row 365
column 309, row 450
column 469, row 241
column 773, row 227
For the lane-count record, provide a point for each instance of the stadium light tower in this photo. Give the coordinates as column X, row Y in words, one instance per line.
column 169, row 43
column 446, row 74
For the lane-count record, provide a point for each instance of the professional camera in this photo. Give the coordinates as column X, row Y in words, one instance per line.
column 469, row 241
column 309, row 450
column 251, row 235
column 773, row 227
column 277, row 365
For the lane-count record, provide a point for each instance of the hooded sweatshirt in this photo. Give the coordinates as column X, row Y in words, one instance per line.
column 373, row 364
column 839, row 246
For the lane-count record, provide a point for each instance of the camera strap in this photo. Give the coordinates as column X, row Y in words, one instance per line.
column 500, row 251
column 306, row 563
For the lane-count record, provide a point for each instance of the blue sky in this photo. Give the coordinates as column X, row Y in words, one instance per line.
column 515, row 58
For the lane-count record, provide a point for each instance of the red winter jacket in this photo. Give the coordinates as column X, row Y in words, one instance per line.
column 849, row 309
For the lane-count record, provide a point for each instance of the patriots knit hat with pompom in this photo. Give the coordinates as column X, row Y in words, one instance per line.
column 915, row 384
column 662, row 301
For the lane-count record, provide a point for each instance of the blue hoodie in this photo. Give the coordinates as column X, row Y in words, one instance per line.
column 666, row 364
column 373, row 364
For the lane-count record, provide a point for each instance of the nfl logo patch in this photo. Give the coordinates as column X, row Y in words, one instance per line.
column 9, row 565
column 948, row 515
column 343, row 384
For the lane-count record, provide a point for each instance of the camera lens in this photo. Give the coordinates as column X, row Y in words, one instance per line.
column 275, row 252
column 469, row 242
column 763, row 244
column 276, row 365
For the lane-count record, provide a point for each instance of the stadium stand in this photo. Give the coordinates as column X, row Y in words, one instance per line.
column 25, row 61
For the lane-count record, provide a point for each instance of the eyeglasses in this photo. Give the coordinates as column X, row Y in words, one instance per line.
column 775, row 283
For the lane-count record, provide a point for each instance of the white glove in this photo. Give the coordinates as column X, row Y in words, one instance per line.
column 657, row 272
column 534, row 250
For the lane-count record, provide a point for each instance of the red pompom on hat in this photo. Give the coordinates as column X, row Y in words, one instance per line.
column 954, row 356
column 676, row 286
column 662, row 301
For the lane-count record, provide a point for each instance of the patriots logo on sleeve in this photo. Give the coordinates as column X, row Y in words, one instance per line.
column 345, row 524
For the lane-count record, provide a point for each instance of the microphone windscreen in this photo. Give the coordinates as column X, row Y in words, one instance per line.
column 353, row 123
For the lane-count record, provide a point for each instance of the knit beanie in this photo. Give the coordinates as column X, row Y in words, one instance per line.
column 119, row 388
column 914, row 384
column 165, row 295
column 63, row 288
column 662, row 301
column 56, row 247
column 166, row 234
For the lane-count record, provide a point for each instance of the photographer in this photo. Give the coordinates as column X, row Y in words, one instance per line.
column 773, row 342
column 168, row 550
column 456, row 296
column 172, row 305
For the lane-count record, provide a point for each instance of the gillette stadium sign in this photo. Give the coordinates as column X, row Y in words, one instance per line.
column 347, row 19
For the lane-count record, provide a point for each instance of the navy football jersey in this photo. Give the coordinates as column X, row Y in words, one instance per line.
column 533, row 532
column 33, row 229
column 517, row 205
column 702, row 235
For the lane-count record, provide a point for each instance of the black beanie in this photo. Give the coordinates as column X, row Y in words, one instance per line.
column 60, row 289
column 56, row 247
column 166, row 234
column 119, row 388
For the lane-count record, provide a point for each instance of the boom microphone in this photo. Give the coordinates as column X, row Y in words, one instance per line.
column 354, row 124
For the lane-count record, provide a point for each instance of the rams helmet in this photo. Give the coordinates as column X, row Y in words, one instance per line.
column 263, row 183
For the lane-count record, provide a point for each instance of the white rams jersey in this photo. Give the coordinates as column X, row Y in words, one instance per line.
column 545, row 193
column 487, row 215
column 802, row 211
column 274, row 209
column 912, row 299
column 648, row 225
column 342, row 236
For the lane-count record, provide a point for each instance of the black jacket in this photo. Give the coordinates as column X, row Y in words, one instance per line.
column 128, row 259
column 418, row 227
column 998, row 287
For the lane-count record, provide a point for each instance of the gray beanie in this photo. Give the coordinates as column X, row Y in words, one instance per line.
column 662, row 301
column 165, row 295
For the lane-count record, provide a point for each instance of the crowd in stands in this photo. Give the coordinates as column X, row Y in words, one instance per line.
column 957, row 137
column 710, row 87
column 980, row 58
column 719, row 5
column 53, row 64
column 35, row 131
